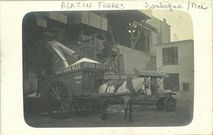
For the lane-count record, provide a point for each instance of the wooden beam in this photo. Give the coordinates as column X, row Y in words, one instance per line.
column 117, row 76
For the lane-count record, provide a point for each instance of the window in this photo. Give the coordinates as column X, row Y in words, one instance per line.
column 170, row 56
column 185, row 86
column 172, row 82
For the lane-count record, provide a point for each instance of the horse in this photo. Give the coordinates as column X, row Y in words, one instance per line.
column 129, row 88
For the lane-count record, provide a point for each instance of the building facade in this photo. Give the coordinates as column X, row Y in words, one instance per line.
column 143, row 42
column 163, row 29
column 93, row 34
column 177, row 59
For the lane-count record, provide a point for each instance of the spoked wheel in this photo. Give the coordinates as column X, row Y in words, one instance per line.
column 160, row 103
column 58, row 100
column 170, row 104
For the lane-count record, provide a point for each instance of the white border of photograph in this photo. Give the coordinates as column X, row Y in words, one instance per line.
column 12, row 117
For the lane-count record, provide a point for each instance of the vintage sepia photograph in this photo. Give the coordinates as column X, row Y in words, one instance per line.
column 112, row 68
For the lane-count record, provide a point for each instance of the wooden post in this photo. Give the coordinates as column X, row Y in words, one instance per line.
column 146, row 33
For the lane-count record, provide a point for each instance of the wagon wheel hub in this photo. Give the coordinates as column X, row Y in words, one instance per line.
column 58, row 99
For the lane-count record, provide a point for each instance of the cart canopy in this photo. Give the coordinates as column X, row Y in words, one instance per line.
column 85, row 60
column 151, row 74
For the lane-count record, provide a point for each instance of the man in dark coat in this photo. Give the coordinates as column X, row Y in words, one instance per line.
column 128, row 100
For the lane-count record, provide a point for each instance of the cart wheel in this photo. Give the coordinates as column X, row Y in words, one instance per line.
column 58, row 100
column 170, row 104
column 160, row 103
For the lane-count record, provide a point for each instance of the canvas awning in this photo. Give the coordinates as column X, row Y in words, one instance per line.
column 151, row 74
column 61, row 50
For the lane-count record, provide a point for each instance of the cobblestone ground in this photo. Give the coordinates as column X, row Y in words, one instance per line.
column 142, row 116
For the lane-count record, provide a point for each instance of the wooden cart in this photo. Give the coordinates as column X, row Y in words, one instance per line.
column 73, row 87
column 163, row 99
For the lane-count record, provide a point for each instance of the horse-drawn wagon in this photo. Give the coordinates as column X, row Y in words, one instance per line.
column 154, row 95
column 72, row 87
column 84, row 86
